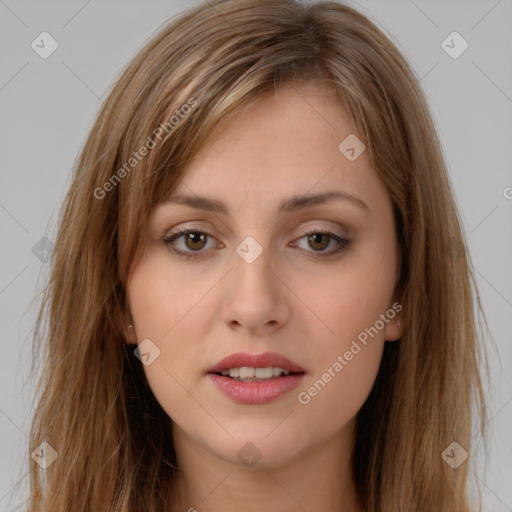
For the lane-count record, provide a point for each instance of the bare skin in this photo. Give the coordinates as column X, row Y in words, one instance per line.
column 290, row 300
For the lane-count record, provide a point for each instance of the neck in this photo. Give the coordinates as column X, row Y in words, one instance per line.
column 320, row 480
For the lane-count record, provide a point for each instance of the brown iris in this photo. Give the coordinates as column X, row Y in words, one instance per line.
column 315, row 239
column 195, row 238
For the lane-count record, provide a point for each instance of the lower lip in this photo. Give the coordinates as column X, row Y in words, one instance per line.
column 256, row 392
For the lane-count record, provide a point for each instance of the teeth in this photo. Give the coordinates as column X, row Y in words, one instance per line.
column 247, row 372
column 234, row 372
column 264, row 373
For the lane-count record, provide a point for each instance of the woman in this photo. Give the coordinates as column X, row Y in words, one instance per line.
column 259, row 293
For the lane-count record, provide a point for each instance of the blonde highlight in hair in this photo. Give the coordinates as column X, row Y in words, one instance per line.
column 95, row 407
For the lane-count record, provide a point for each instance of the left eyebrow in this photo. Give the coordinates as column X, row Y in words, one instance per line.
column 299, row 202
column 294, row 203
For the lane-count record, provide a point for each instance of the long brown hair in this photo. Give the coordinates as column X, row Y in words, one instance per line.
column 95, row 408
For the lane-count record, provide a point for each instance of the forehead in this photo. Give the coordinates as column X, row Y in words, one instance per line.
column 287, row 141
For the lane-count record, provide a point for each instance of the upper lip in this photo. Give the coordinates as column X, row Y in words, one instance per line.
column 264, row 360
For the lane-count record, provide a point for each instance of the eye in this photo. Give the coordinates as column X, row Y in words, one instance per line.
column 194, row 242
column 320, row 240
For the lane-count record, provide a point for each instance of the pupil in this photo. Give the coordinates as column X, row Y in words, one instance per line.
column 195, row 238
column 315, row 237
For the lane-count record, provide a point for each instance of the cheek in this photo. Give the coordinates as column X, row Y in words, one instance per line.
column 165, row 306
column 346, row 363
column 349, row 304
column 348, row 299
column 162, row 298
column 331, row 399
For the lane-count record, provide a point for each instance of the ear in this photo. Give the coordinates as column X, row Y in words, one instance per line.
column 395, row 326
column 395, row 312
column 130, row 336
column 126, row 326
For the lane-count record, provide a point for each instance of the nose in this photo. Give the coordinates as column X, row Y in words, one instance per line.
column 257, row 298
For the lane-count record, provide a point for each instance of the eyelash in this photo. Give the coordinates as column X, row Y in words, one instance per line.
column 169, row 240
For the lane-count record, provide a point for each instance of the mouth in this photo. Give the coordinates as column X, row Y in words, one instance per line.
column 255, row 378
column 251, row 374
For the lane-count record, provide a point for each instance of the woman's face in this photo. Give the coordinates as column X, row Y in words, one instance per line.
column 254, row 281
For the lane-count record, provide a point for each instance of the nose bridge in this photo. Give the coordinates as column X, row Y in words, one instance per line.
column 252, row 262
column 254, row 296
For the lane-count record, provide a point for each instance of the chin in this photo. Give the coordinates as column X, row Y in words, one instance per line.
column 254, row 451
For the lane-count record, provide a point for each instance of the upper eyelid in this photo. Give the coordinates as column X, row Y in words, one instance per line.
column 343, row 227
column 186, row 229
column 181, row 231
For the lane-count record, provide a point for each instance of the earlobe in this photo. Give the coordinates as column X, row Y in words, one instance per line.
column 125, row 323
column 395, row 313
column 394, row 330
column 129, row 335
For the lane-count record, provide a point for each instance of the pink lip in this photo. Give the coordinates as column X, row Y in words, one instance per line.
column 255, row 361
column 256, row 392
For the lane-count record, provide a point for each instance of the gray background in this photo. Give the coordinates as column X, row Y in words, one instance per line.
column 47, row 106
